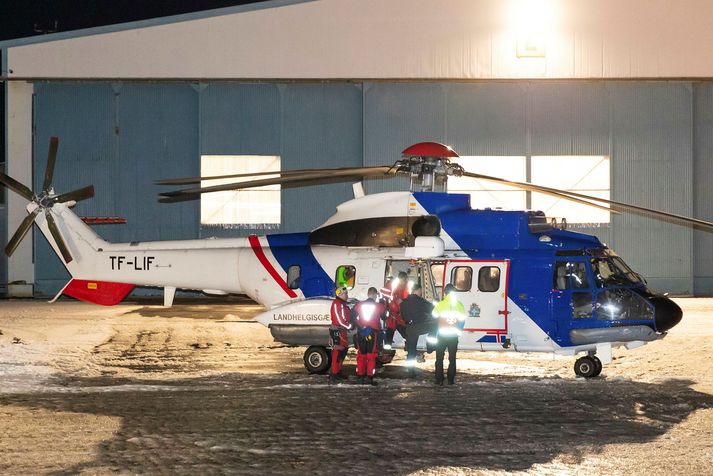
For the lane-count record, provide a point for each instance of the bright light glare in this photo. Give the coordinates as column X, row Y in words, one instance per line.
column 531, row 16
column 611, row 309
column 368, row 311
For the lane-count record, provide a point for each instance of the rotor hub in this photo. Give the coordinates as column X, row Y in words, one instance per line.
column 45, row 201
column 428, row 165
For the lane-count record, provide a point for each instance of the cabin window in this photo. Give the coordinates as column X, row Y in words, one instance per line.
column 581, row 305
column 462, row 278
column 489, row 279
column 254, row 208
column 437, row 270
column 293, row 276
column 345, row 277
column 571, row 275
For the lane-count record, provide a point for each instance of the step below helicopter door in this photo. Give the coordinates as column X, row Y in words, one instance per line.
column 482, row 288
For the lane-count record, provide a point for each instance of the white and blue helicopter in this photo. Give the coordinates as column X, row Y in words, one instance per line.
column 529, row 284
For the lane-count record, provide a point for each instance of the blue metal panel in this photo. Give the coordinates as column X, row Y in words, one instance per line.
column 702, row 189
column 652, row 166
column 397, row 115
column 240, row 118
column 158, row 138
column 321, row 127
column 120, row 138
column 487, row 118
column 569, row 118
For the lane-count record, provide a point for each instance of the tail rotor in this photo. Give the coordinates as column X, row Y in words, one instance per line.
column 44, row 202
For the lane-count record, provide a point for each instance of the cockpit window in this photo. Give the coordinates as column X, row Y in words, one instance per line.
column 571, row 275
column 613, row 272
column 622, row 304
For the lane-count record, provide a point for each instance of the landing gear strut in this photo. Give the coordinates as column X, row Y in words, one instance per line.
column 588, row 366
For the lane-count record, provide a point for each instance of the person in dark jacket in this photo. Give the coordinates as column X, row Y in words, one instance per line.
column 417, row 312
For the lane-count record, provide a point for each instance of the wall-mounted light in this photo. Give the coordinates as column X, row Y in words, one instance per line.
column 532, row 20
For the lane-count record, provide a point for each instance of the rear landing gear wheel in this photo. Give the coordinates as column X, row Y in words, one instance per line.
column 317, row 359
column 587, row 367
column 599, row 366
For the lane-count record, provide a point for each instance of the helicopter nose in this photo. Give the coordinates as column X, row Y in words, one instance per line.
column 667, row 313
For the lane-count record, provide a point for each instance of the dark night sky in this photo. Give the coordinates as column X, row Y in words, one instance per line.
column 20, row 18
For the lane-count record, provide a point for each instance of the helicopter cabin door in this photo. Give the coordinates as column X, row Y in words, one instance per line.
column 482, row 288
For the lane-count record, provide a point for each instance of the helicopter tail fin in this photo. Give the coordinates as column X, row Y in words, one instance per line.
column 83, row 246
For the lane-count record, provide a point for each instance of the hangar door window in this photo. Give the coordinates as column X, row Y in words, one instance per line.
column 586, row 174
column 490, row 194
column 253, row 207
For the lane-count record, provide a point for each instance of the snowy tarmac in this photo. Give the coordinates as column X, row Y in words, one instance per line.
column 200, row 389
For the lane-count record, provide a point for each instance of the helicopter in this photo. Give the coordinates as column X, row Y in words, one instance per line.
column 528, row 283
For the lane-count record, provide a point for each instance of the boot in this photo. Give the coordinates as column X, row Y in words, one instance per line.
column 333, row 379
column 362, row 380
column 342, row 377
column 372, row 382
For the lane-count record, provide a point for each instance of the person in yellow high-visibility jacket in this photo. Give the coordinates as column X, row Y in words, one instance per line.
column 450, row 313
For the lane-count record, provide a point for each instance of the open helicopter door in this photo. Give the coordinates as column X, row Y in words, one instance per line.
column 481, row 285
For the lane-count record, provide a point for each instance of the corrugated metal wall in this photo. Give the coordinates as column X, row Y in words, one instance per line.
column 121, row 137
column 702, row 186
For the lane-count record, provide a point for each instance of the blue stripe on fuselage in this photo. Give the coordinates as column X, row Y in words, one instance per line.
column 293, row 249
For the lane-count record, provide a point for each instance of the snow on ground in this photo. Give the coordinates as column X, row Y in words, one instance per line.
column 199, row 388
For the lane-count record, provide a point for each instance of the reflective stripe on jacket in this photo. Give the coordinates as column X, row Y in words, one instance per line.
column 451, row 316
column 340, row 314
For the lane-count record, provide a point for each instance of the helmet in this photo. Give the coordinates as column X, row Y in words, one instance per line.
column 341, row 292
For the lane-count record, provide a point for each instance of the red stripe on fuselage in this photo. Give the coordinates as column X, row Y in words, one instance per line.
column 260, row 254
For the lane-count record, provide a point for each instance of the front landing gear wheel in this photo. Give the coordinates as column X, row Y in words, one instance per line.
column 317, row 359
column 587, row 367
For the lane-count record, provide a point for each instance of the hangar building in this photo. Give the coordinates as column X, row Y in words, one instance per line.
column 609, row 97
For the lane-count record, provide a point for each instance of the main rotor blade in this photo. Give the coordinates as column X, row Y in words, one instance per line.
column 303, row 179
column 16, row 187
column 52, row 225
column 51, row 158
column 298, row 183
column 541, row 189
column 21, row 232
column 649, row 211
column 283, row 173
column 76, row 195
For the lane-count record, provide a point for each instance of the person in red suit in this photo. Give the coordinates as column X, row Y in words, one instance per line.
column 395, row 321
column 368, row 319
column 341, row 323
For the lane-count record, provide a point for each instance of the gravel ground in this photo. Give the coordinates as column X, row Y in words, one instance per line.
column 200, row 389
